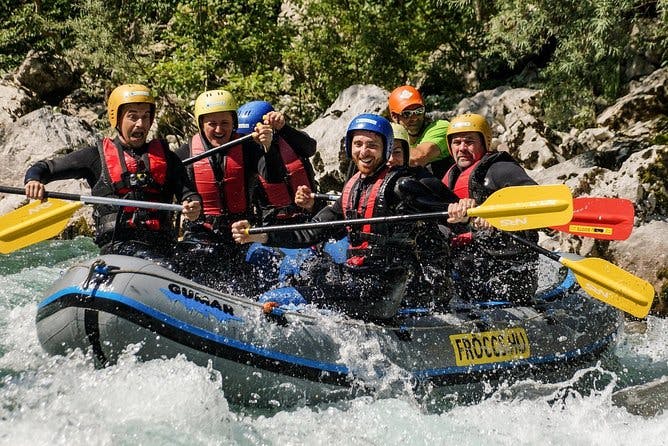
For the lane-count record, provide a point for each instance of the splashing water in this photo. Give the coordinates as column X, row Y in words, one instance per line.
column 47, row 400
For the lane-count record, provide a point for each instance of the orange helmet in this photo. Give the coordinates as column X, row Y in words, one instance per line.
column 403, row 97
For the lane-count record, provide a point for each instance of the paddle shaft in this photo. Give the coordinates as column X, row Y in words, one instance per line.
column 612, row 218
column 218, row 149
column 99, row 200
column 353, row 222
column 328, row 197
column 535, row 247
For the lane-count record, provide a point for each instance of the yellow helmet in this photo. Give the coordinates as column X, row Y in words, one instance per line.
column 214, row 101
column 470, row 122
column 400, row 133
column 126, row 94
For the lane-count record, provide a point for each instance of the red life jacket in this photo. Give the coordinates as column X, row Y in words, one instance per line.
column 157, row 166
column 283, row 194
column 461, row 189
column 217, row 199
column 119, row 167
column 366, row 208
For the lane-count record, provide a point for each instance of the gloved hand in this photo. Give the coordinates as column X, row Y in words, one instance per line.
column 416, row 195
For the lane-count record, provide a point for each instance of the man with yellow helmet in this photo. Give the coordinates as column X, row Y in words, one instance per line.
column 227, row 182
column 489, row 265
column 427, row 138
column 126, row 167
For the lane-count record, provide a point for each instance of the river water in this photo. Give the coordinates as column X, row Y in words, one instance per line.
column 48, row 400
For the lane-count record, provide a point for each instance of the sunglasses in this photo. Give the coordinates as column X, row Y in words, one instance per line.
column 410, row 113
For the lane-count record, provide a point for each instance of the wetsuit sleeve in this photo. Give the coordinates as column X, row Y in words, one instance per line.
column 253, row 153
column 183, row 152
column 270, row 164
column 81, row 164
column 423, row 192
column 308, row 237
column 302, row 143
column 506, row 173
column 181, row 185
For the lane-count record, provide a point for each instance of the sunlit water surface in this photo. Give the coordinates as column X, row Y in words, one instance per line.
column 48, row 400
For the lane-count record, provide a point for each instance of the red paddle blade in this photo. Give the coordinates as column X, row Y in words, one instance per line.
column 601, row 218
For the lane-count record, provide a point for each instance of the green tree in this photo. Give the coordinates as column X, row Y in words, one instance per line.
column 223, row 44
column 591, row 42
column 32, row 25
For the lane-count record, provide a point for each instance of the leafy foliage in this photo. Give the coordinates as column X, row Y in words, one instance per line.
column 301, row 54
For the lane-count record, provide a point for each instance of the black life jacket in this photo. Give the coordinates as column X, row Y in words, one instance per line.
column 475, row 177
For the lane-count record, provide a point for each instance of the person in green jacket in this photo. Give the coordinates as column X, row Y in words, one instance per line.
column 428, row 139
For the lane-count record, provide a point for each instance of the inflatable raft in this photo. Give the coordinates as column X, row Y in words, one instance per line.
column 292, row 353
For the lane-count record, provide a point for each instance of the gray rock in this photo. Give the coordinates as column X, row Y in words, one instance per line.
column 330, row 128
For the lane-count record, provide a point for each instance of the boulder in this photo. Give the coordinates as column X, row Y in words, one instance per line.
column 645, row 253
column 646, row 99
column 23, row 146
column 330, row 130
column 49, row 76
column 14, row 103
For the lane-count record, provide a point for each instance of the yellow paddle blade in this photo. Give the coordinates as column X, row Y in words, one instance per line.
column 612, row 285
column 34, row 223
column 517, row 208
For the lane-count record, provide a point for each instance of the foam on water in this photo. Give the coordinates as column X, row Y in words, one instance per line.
column 48, row 400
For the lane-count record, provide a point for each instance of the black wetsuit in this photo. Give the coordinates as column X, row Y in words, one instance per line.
column 492, row 266
column 112, row 235
column 381, row 259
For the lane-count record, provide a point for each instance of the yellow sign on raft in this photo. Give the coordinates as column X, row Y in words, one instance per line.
column 490, row 346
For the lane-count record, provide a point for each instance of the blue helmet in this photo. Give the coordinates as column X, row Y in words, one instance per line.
column 250, row 114
column 371, row 123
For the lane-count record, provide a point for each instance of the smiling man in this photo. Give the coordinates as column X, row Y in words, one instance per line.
column 127, row 166
column 226, row 180
column 427, row 139
column 380, row 257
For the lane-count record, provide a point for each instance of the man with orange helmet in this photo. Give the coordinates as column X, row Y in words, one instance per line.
column 131, row 167
column 489, row 264
column 427, row 139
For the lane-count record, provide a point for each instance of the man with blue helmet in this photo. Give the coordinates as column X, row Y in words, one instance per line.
column 371, row 283
column 284, row 167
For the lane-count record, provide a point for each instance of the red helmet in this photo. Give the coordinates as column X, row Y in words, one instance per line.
column 403, row 97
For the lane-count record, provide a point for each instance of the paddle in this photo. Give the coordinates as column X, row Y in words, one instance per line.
column 600, row 218
column 218, row 149
column 328, row 197
column 39, row 221
column 33, row 223
column 603, row 280
column 511, row 209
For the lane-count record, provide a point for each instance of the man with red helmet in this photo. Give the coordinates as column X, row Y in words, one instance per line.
column 127, row 166
column 427, row 138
